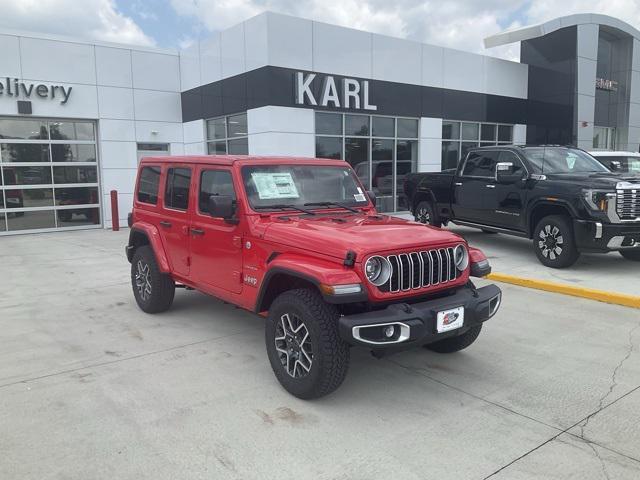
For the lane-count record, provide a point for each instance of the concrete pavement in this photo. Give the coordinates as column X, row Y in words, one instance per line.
column 91, row 387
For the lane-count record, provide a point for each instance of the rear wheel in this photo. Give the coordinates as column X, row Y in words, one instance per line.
column 554, row 243
column 455, row 344
column 633, row 254
column 306, row 353
column 152, row 289
column 425, row 213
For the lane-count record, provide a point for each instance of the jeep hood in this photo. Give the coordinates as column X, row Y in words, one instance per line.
column 335, row 234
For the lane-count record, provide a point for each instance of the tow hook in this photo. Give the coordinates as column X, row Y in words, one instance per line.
column 472, row 287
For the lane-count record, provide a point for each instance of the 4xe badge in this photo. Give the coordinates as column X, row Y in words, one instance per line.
column 249, row 280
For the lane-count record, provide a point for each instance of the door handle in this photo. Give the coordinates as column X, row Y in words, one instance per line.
column 458, row 184
column 490, row 186
column 197, row 231
column 164, row 223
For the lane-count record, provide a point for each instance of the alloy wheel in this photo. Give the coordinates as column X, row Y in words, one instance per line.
column 551, row 242
column 424, row 216
column 293, row 344
column 143, row 280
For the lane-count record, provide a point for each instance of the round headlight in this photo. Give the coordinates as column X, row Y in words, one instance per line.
column 378, row 270
column 461, row 257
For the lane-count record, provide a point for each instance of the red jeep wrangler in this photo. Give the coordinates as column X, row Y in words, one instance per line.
column 298, row 241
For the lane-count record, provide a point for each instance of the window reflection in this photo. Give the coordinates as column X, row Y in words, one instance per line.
column 77, row 217
column 26, row 175
column 73, row 153
column 76, row 195
column 75, row 175
column 27, row 198
column 24, row 152
column 23, row 129
column 31, row 220
column 71, row 131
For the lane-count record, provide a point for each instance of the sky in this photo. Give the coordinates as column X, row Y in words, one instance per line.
column 461, row 24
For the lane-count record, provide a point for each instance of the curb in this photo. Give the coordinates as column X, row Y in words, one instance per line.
column 565, row 289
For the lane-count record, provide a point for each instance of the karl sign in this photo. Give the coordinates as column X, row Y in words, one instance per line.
column 16, row 88
column 347, row 93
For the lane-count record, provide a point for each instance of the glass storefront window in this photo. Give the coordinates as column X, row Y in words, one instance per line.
column 407, row 128
column 23, row 129
column 76, row 217
column 237, row 125
column 63, row 152
column 329, row 147
column 465, row 147
column 470, row 131
column 27, row 175
column 505, row 133
column 24, row 152
column 356, row 125
column 228, row 135
column 450, row 130
column 450, row 154
column 328, row 123
column 71, row 131
column 62, row 175
column 383, row 127
column 31, row 220
column 374, row 147
column 76, row 195
column 28, row 198
column 488, row 132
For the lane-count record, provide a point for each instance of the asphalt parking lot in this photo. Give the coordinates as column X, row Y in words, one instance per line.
column 91, row 387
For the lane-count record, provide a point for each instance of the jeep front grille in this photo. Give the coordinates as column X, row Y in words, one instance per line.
column 628, row 204
column 413, row 270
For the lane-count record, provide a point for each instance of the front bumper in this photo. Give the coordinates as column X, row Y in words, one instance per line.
column 605, row 237
column 415, row 323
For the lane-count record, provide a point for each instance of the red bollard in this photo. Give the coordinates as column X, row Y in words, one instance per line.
column 115, row 217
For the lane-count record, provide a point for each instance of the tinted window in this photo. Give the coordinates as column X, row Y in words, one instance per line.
column 562, row 160
column 512, row 158
column 481, row 164
column 176, row 193
column 214, row 182
column 329, row 123
column 148, row 186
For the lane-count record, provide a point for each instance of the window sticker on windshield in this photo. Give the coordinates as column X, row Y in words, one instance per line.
column 359, row 197
column 274, row 185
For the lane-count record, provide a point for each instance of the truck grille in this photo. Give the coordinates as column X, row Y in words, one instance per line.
column 628, row 204
column 413, row 270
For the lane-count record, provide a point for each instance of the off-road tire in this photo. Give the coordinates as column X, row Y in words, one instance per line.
column 569, row 252
column 425, row 213
column 633, row 254
column 330, row 359
column 163, row 287
column 455, row 344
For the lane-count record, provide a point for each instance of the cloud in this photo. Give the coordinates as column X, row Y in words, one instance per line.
column 88, row 19
column 461, row 24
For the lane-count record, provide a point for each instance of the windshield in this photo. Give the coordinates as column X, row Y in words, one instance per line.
column 627, row 164
column 562, row 160
column 299, row 185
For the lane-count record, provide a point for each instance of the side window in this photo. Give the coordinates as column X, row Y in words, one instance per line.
column 518, row 168
column 481, row 164
column 214, row 182
column 148, row 185
column 176, row 194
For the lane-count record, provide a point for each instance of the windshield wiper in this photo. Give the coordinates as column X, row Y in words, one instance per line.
column 283, row 206
column 330, row 204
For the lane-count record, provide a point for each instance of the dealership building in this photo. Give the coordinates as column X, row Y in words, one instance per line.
column 77, row 116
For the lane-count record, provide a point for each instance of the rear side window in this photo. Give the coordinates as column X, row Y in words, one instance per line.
column 481, row 164
column 176, row 194
column 148, row 185
column 214, row 182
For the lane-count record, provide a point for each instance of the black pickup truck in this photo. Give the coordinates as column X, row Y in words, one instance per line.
column 560, row 197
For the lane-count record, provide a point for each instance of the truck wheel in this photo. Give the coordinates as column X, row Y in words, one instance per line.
column 305, row 350
column 424, row 213
column 554, row 243
column 153, row 290
column 631, row 254
column 455, row 344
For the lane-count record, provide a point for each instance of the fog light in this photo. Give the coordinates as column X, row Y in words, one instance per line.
column 389, row 331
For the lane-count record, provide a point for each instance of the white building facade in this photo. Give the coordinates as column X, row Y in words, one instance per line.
column 76, row 116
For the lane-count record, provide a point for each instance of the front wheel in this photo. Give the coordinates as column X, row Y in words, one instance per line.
column 152, row 289
column 306, row 353
column 424, row 213
column 554, row 243
column 455, row 344
column 633, row 254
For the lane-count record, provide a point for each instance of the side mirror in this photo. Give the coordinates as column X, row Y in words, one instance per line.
column 504, row 173
column 615, row 165
column 372, row 196
column 221, row 206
